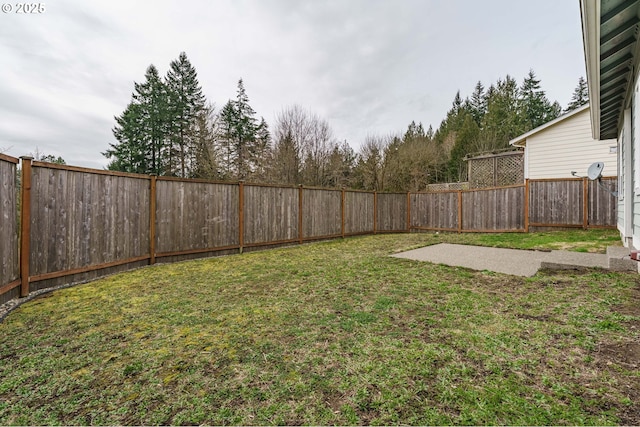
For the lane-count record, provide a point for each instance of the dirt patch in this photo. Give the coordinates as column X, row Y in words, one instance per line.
column 628, row 309
column 632, row 307
column 543, row 318
column 626, row 354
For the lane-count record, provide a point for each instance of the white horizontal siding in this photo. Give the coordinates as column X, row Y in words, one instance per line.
column 636, row 221
column 568, row 146
column 621, row 180
column 634, row 174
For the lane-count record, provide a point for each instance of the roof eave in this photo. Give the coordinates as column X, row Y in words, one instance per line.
column 590, row 12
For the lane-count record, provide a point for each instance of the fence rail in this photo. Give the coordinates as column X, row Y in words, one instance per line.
column 81, row 223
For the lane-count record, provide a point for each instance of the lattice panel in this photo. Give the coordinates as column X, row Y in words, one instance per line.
column 496, row 171
column 448, row 186
column 481, row 172
column 509, row 170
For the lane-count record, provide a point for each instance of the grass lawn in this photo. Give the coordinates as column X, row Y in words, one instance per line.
column 331, row 333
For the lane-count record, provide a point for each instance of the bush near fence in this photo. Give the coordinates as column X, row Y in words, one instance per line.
column 83, row 223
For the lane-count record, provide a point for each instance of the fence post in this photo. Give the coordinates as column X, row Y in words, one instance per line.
column 342, row 212
column 375, row 212
column 241, row 215
column 459, row 211
column 300, row 214
column 408, row 212
column 585, row 203
column 25, row 225
column 152, row 220
column 526, row 205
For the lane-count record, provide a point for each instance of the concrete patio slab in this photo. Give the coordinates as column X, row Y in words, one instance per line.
column 508, row 261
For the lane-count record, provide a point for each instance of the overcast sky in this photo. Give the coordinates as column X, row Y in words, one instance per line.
column 366, row 66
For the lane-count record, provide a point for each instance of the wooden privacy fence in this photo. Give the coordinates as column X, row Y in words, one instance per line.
column 538, row 204
column 83, row 223
column 9, row 267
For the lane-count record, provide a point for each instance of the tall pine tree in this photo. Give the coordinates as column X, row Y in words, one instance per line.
column 580, row 95
column 245, row 132
column 151, row 96
column 240, row 133
column 535, row 108
column 262, row 150
column 502, row 122
column 478, row 103
column 186, row 102
column 160, row 130
column 128, row 154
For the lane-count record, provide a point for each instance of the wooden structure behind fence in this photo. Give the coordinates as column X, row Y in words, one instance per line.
column 80, row 224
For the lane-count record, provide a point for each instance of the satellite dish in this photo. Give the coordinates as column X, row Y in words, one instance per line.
column 595, row 171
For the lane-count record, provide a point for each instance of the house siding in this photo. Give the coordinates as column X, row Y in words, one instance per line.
column 552, row 153
column 621, row 181
column 635, row 147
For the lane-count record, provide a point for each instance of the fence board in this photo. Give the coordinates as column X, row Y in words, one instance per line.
column 392, row 212
column 498, row 209
column 321, row 213
column 81, row 219
column 195, row 216
column 9, row 266
column 270, row 214
column 436, row 211
column 358, row 212
column 602, row 204
column 557, row 202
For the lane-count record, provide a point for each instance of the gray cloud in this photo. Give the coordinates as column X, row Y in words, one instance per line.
column 367, row 66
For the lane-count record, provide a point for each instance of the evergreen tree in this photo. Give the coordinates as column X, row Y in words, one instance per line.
column 414, row 131
column 50, row 158
column 535, row 108
column 466, row 138
column 151, row 96
column 478, row 103
column 580, row 95
column 429, row 135
column 140, row 130
column 503, row 121
column 227, row 135
column 42, row 157
column 262, row 150
column 245, row 132
column 159, row 131
column 186, row 102
column 206, row 158
column 128, row 154
column 240, row 133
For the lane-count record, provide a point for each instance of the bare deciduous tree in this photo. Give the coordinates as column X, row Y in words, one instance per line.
column 303, row 146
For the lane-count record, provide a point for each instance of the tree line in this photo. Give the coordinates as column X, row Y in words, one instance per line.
column 169, row 128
